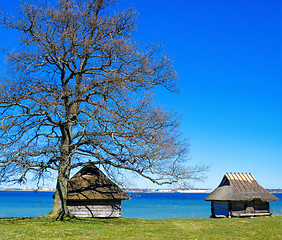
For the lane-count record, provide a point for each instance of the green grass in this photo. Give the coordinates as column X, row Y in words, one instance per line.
column 125, row 228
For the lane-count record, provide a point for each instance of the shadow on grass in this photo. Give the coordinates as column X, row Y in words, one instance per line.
column 67, row 219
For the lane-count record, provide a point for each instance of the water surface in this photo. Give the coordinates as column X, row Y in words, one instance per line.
column 140, row 205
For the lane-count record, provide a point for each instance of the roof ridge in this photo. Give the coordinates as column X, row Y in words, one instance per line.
column 231, row 179
column 250, row 181
column 244, row 182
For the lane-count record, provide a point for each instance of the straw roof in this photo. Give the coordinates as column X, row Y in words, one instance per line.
column 90, row 184
column 240, row 187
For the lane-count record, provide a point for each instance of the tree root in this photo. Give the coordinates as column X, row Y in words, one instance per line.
column 62, row 216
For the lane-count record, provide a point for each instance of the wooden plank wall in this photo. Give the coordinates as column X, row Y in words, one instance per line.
column 97, row 210
column 220, row 208
column 261, row 207
column 238, row 207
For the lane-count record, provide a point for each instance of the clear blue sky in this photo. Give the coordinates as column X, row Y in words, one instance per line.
column 228, row 57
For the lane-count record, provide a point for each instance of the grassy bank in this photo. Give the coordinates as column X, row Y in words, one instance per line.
column 46, row 228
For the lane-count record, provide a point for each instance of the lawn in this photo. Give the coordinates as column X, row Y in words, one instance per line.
column 126, row 228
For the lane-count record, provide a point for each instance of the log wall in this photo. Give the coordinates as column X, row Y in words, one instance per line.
column 95, row 210
column 237, row 209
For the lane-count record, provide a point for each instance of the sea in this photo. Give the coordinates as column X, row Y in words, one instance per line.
column 140, row 205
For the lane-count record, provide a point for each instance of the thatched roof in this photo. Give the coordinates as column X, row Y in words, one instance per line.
column 240, row 187
column 90, row 184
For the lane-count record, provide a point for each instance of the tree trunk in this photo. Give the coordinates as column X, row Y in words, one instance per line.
column 60, row 198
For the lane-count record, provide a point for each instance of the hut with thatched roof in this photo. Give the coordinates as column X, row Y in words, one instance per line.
column 92, row 194
column 239, row 195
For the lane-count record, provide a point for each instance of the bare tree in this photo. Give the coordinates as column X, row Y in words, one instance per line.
column 79, row 90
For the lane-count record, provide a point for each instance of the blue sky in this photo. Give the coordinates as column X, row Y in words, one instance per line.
column 228, row 57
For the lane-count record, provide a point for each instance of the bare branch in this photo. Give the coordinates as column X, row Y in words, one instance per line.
column 79, row 90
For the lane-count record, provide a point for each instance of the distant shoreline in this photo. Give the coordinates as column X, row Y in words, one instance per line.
column 25, row 190
column 136, row 190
